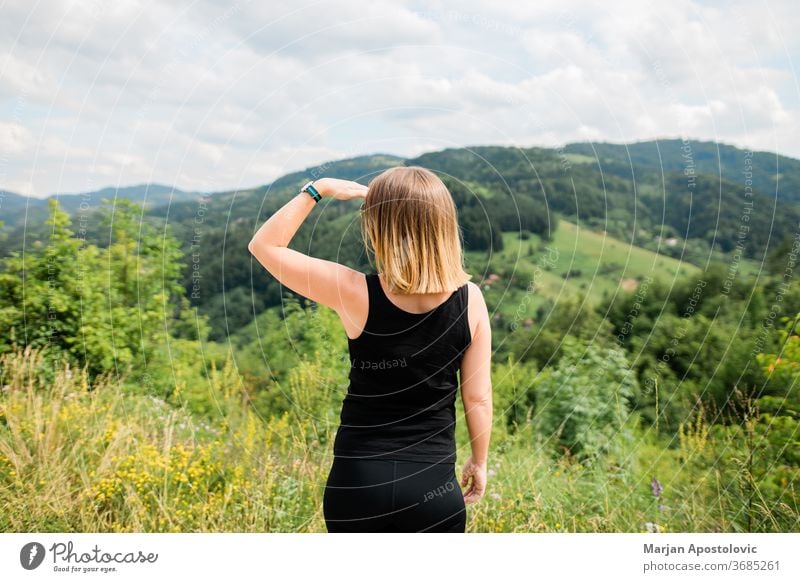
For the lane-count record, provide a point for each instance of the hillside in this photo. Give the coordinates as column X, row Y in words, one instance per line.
column 645, row 199
column 18, row 212
column 636, row 193
column 772, row 174
column 577, row 262
column 613, row 365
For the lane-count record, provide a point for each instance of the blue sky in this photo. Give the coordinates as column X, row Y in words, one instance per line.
column 222, row 95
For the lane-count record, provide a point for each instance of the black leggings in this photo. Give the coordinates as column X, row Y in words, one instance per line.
column 370, row 495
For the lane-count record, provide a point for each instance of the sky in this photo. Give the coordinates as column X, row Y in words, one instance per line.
column 212, row 96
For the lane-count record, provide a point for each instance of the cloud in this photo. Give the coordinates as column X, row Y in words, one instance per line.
column 220, row 95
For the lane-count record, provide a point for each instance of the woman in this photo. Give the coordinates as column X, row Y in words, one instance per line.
column 411, row 328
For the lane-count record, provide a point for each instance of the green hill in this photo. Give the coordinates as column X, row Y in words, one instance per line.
column 771, row 174
column 637, row 193
column 23, row 216
column 576, row 262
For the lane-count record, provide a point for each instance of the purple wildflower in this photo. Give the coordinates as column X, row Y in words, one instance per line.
column 656, row 487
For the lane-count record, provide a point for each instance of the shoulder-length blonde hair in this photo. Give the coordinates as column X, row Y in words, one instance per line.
column 409, row 220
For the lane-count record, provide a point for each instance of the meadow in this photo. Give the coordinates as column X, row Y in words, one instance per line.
column 89, row 456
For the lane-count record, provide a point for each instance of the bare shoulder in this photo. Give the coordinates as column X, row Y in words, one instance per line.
column 474, row 289
column 477, row 312
column 475, row 297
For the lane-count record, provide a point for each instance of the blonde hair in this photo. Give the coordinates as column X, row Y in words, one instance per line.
column 409, row 220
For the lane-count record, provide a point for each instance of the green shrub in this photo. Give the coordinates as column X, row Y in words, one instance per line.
column 582, row 403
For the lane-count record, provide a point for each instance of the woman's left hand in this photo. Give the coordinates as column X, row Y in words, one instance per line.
column 340, row 189
column 473, row 476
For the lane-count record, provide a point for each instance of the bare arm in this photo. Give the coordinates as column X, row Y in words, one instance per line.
column 324, row 282
column 476, row 394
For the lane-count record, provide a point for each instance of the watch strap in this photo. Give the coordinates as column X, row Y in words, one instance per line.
column 313, row 192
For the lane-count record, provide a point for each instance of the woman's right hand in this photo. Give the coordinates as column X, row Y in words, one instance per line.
column 340, row 189
column 474, row 475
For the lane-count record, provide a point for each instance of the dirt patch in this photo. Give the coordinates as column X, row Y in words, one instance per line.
column 628, row 284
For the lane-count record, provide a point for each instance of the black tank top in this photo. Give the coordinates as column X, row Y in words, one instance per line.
column 400, row 403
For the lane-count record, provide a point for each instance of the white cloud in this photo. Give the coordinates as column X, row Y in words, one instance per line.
column 219, row 95
column 15, row 139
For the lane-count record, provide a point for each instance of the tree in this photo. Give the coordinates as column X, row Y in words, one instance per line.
column 38, row 291
column 113, row 309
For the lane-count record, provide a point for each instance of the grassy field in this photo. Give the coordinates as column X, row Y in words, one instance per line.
column 81, row 457
column 597, row 264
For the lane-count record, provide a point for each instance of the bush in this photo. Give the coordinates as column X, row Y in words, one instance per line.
column 582, row 403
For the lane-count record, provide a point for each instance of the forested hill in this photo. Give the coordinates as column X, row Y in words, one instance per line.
column 771, row 174
column 697, row 191
column 689, row 200
column 17, row 209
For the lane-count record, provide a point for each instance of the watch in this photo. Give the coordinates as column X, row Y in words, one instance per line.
column 313, row 192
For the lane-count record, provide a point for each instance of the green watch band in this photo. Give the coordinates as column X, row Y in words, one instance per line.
column 313, row 192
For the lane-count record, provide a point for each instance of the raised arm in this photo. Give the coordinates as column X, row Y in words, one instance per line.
column 324, row 282
column 476, row 394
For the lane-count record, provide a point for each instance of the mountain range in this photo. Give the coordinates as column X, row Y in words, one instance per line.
column 696, row 201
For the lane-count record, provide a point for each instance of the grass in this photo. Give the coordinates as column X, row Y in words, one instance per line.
column 596, row 263
column 94, row 457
